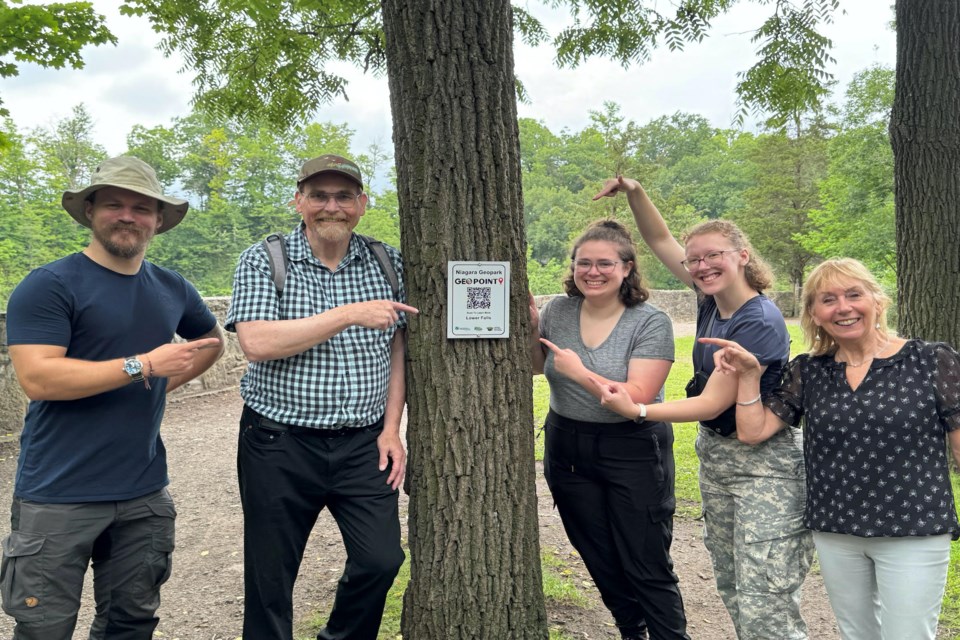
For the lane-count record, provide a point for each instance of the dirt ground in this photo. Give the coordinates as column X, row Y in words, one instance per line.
column 203, row 599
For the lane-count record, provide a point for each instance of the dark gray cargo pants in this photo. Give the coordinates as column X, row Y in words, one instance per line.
column 46, row 555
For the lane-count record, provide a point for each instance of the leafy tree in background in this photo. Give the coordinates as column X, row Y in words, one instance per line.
column 786, row 173
column 50, row 35
column 857, row 213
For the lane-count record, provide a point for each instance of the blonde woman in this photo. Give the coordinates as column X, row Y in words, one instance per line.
column 876, row 409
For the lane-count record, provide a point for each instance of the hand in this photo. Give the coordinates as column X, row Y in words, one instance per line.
column 175, row 358
column 391, row 448
column 616, row 185
column 534, row 313
column 378, row 314
column 565, row 361
column 614, row 396
column 732, row 358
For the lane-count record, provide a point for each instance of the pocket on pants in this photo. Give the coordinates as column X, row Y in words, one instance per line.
column 778, row 556
column 158, row 561
column 22, row 576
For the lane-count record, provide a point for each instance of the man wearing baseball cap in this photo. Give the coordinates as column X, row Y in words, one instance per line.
column 90, row 338
column 323, row 395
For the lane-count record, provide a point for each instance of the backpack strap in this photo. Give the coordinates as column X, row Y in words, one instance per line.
column 276, row 248
column 380, row 253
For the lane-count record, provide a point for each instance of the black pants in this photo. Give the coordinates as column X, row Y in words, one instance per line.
column 613, row 487
column 287, row 476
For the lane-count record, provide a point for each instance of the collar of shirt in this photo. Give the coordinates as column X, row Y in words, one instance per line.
column 298, row 248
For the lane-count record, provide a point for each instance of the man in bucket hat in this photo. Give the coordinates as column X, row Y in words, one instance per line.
column 323, row 395
column 90, row 340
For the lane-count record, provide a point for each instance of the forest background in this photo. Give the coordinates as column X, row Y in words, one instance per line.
column 818, row 186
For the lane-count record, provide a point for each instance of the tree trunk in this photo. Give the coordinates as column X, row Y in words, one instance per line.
column 473, row 534
column 925, row 135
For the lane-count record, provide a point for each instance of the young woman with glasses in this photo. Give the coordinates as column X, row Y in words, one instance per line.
column 611, row 479
column 752, row 496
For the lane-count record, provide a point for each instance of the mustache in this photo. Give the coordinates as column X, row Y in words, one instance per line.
column 125, row 226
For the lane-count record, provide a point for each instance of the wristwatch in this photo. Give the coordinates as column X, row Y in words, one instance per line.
column 133, row 368
column 643, row 413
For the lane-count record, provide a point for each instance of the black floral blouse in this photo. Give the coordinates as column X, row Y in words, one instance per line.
column 876, row 458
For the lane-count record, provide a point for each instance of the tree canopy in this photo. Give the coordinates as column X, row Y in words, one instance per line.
column 51, row 35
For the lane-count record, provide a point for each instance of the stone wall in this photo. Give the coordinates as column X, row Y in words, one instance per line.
column 680, row 305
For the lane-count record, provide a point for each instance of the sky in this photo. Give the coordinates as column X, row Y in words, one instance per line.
column 133, row 83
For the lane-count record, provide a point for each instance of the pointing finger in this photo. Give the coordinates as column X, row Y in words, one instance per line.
column 550, row 345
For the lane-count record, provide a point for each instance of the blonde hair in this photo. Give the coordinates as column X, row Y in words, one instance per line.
column 832, row 273
column 757, row 272
column 632, row 291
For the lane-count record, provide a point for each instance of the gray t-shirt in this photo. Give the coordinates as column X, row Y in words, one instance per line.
column 642, row 332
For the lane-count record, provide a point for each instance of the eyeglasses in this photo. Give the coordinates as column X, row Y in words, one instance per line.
column 712, row 259
column 344, row 199
column 603, row 266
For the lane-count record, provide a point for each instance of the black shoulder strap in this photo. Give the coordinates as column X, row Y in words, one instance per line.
column 276, row 248
column 380, row 253
column 707, row 333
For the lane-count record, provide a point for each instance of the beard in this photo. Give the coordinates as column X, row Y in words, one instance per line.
column 136, row 240
column 332, row 232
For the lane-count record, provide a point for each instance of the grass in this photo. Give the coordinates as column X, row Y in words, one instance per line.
column 389, row 627
column 557, row 585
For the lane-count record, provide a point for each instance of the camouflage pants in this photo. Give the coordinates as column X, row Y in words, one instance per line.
column 753, row 498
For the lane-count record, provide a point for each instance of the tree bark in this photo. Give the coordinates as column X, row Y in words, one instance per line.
column 925, row 135
column 473, row 533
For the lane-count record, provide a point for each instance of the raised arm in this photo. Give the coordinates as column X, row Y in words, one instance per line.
column 275, row 339
column 652, row 227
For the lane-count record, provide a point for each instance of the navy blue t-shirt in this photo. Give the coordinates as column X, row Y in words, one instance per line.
column 105, row 447
column 757, row 326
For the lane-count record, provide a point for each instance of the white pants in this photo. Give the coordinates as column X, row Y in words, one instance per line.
column 884, row 588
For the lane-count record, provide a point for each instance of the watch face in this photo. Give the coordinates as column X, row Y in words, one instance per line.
column 132, row 366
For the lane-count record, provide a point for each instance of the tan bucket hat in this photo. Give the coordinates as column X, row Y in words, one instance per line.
column 330, row 164
column 133, row 174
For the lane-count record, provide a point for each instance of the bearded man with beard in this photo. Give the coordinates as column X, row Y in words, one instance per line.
column 323, row 395
column 90, row 339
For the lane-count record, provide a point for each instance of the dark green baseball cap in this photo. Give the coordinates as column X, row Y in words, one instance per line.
column 330, row 164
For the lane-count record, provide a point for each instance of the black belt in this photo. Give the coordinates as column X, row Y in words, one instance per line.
column 262, row 422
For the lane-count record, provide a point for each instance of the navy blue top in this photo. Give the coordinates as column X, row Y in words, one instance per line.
column 105, row 447
column 757, row 326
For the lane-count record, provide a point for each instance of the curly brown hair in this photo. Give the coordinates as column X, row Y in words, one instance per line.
column 632, row 292
column 757, row 271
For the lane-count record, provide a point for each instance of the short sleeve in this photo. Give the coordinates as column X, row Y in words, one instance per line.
column 761, row 338
column 786, row 400
column 947, row 382
column 254, row 293
column 197, row 318
column 40, row 310
column 654, row 338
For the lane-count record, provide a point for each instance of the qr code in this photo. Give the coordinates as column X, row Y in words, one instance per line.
column 478, row 298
